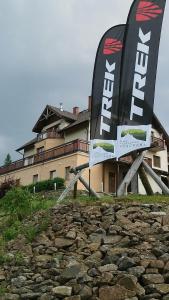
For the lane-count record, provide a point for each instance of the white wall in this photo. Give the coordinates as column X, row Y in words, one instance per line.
column 78, row 134
column 155, row 187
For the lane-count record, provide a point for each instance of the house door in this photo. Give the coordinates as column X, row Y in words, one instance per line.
column 112, row 182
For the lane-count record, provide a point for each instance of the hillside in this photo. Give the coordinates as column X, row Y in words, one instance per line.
column 90, row 251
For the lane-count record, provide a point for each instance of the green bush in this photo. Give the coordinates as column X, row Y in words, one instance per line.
column 46, row 185
column 17, row 203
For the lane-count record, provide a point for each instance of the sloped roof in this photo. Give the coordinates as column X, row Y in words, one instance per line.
column 30, row 143
column 53, row 113
column 82, row 117
column 157, row 125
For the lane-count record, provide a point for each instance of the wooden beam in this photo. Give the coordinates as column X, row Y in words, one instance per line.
column 70, row 186
column 145, row 181
column 156, row 178
column 143, row 177
column 130, row 174
column 86, row 185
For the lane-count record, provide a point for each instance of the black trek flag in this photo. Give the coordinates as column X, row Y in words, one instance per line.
column 138, row 74
column 105, row 95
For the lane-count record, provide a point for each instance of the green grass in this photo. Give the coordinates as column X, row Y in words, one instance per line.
column 85, row 199
column 3, row 290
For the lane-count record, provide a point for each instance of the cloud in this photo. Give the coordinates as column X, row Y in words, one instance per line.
column 47, row 56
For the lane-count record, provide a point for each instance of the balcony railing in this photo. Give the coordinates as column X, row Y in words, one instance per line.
column 49, row 135
column 65, row 149
column 157, row 144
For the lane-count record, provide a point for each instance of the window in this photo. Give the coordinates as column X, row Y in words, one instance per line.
column 35, row 178
column 40, row 150
column 28, row 161
column 67, row 173
column 157, row 161
column 53, row 174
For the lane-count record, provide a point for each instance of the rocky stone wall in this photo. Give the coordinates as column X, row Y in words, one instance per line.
column 105, row 251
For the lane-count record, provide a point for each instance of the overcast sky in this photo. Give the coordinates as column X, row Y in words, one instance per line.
column 47, row 55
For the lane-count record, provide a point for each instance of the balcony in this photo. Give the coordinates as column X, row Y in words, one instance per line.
column 59, row 151
column 48, row 135
column 157, row 144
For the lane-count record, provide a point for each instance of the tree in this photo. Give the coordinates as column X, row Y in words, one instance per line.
column 7, row 160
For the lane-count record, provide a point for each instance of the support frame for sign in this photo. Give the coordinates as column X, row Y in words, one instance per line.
column 138, row 163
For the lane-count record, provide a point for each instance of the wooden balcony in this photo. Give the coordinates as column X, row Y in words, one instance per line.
column 157, row 144
column 49, row 135
column 59, row 151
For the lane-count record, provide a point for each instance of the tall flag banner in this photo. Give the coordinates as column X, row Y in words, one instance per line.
column 138, row 74
column 105, row 96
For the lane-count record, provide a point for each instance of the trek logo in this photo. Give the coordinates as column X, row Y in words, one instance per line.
column 141, row 65
column 108, row 88
column 147, row 10
column 112, row 46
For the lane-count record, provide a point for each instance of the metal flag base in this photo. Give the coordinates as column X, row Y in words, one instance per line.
column 78, row 172
column 138, row 165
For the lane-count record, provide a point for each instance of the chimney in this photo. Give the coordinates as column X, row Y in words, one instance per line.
column 61, row 106
column 76, row 110
column 89, row 103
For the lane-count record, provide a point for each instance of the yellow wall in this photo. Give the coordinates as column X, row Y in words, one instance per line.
column 43, row 170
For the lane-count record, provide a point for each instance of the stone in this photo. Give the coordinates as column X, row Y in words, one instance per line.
column 42, row 239
column 63, row 242
column 114, row 293
column 2, row 275
column 112, row 239
column 152, row 296
column 125, row 263
column 162, row 288
column 71, row 234
column 108, row 268
column 43, row 258
column 85, row 292
column 137, row 271
column 166, row 268
column 73, row 298
column 165, row 220
column 151, row 271
column 96, row 238
column 152, row 278
column 30, row 295
column 94, row 246
column 18, row 281
column 62, row 291
column 130, row 283
column 45, row 297
column 71, row 272
column 158, row 214
column 159, row 264
column 11, row 297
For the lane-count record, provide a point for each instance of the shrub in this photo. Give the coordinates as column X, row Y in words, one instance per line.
column 12, row 231
column 46, row 185
column 7, row 185
column 17, row 203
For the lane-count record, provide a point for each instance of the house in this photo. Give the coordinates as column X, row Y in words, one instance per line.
column 61, row 142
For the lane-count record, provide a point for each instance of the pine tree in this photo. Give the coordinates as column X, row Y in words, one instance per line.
column 7, row 160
